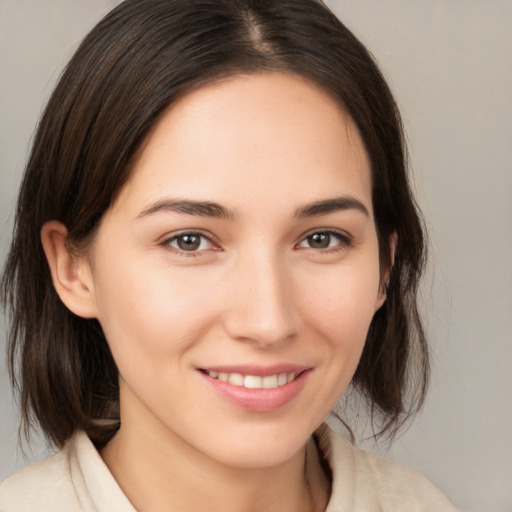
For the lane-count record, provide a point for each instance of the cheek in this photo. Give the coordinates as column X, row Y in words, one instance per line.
column 342, row 302
column 337, row 309
column 154, row 314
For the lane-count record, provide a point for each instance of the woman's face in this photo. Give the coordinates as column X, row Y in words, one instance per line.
column 237, row 273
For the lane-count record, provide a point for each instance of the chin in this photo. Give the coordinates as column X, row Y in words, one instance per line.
column 258, row 447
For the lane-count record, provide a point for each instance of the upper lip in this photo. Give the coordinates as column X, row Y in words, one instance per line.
column 249, row 369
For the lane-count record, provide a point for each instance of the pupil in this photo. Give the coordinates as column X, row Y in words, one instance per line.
column 189, row 242
column 319, row 240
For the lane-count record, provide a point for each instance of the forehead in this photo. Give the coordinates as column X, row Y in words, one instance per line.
column 277, row 135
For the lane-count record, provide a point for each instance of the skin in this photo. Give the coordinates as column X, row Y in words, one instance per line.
column 257, row 290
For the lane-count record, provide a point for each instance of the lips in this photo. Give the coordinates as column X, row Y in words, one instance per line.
column 257, row 389
column 254, row 381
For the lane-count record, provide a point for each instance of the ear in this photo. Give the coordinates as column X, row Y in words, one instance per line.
column 71, row 272
column 384, row 279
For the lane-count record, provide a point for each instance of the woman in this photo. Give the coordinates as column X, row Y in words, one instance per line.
column 215, row 237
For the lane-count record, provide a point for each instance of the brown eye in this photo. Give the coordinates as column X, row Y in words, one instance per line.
column 325, row 240
column 319, row 240
column 190, row 242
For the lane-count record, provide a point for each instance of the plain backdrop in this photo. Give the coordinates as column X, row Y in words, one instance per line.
column 450, row 65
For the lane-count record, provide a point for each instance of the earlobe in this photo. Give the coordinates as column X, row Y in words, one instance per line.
column 393, row 241
column 384, row 281
column 71, row 273
column 382, row 295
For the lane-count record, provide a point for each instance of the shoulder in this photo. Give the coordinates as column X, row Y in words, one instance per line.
column 399, row 487
column 74, row 480
column 376, row 483
column 43, row 486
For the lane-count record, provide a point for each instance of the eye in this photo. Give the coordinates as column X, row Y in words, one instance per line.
column 325, row 240
column 189, row 242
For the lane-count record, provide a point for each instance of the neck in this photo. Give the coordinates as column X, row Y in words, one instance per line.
column 172, row 476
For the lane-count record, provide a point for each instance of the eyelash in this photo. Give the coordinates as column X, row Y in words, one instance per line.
column 344, row 242
column 194, row 253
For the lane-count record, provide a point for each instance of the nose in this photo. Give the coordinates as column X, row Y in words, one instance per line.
column 262, row 306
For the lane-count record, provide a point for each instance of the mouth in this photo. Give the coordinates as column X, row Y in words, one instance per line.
column 254, row 381
column 257, row 389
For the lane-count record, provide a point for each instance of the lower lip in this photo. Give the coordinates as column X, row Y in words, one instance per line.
column 258, row 400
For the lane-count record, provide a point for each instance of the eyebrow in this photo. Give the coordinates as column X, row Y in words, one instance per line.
column 189, row 207
column 211, row 209
column 331, row 205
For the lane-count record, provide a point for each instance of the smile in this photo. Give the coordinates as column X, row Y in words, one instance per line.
column 253, row 381
column 257, row 389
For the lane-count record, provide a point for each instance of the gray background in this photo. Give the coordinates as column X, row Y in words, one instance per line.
column 450, row 65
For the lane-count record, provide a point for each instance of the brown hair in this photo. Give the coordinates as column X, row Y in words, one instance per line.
column 127, row 71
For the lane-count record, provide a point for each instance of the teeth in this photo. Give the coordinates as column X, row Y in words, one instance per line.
column 237, row 379
column 254, row 381
column 270, row 381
